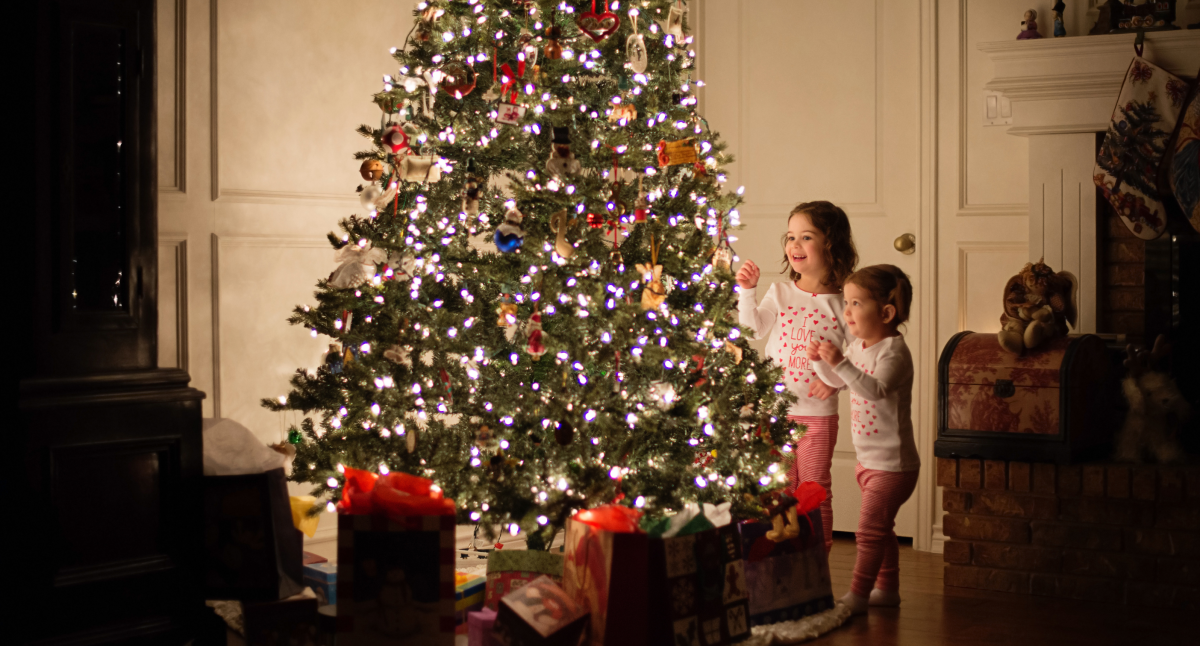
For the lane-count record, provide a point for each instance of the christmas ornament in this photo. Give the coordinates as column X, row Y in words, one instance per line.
column 528, row 47
column 410, row 439
column 419, row 168
column 371, row 170
column 510, row 114
column 553, row 49
column 562, row 161
column 357, row 265
column 394, row 140
column 1182, row 165
column 508, row 313
column 735, row 350
column 536, row 345
column 458, row 79
column 674, row 153
column 674, row 23
column 369, row 195
column 635, row 50
column 484, row 437
column 654, row 293
column 641, row 208
column 564, row 433
column 401, row 264
column 510, row 234
column 398, row 354
column 1127, row 164
column 333, row 359
column 622, row 110
column 294, row 436
column 722, row 258
column 471, row 191
column 558, row 225
column 598, row 26
column 663, row 394
column 425, row 24
column 595, row 220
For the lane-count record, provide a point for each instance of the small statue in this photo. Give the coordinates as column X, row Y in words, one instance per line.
column 1031, row 28
column 1058, row 9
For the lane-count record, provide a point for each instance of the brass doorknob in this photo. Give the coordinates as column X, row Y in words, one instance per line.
column 906, row 244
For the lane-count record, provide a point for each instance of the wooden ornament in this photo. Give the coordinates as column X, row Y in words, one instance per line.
column 553, row 49
column 654, row 293
column 371, row 170
column 674, row 153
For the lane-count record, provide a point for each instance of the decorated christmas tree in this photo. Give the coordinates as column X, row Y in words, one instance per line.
column 534, row 307
column 1134, row 146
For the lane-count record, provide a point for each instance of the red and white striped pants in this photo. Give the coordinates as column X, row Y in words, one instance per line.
column 814, row 457
column 878, row 561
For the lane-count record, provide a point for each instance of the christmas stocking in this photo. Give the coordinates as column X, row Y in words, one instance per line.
column 1127, row 166
column 1181, row 168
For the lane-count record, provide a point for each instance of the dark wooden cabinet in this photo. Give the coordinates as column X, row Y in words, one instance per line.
column 107, row 528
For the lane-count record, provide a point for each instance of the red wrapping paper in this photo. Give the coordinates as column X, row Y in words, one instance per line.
column 612, row 518
column 395, row 494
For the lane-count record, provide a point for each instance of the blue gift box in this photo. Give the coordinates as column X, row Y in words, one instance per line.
column 322, row 578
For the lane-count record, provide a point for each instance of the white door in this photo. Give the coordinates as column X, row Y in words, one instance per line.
column 822, row 101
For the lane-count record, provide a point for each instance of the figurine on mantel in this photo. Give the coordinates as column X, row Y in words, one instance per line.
column 1058, row 9
column 1030, row 25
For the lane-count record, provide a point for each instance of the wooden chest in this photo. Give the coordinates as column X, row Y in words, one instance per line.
column 1055, row 404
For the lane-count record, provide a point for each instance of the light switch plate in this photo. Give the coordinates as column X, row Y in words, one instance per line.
column 997, row 109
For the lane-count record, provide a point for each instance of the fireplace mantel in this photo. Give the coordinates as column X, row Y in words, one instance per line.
column 1062, row 92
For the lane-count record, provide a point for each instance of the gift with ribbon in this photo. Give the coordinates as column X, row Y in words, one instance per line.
column 395, row 560
column 696, row 578
column 788, row 579
column 508, row 570
column 605, row 572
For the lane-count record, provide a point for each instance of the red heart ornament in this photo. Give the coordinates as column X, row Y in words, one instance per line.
column 598, row 26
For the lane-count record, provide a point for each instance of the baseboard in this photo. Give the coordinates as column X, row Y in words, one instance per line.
column 938, row 542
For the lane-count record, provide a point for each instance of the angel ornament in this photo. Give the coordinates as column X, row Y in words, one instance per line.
column 654, row 293
column 357, row 265
column 673, row 25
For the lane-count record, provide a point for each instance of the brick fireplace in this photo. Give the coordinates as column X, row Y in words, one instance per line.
column 1115, row 533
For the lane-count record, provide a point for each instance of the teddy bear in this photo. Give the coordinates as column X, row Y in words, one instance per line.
column 1038, row 305
column 1157, row 409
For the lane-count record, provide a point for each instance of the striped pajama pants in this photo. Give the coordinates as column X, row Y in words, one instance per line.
column 877, row 564
column 814, row 457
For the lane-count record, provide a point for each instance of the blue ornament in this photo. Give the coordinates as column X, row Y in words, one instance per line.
column 510, row 234
column 334, row 360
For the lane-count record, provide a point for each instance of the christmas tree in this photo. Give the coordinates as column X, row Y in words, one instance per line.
column 504, row 322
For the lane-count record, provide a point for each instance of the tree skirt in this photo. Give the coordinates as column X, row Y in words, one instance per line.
column 800, row 630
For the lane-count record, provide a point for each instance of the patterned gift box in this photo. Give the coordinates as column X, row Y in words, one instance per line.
column 508, row 570
column 322, row 578
column 790, row 579
column 468, row 596
column 396, row 580
column 539, row 614
column 606, row 573
column 697, row 589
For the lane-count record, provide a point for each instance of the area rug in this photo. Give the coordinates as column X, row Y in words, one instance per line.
column 800, row 630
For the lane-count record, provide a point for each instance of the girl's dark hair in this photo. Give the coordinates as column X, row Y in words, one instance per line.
column 840, row 253
column 887, row 285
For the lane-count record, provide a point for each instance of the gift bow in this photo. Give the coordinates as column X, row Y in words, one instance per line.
column 395, row 494
column 612, row 518
column 510, row 79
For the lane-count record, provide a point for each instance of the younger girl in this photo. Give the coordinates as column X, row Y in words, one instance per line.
column 819, row 254
column 879, row 372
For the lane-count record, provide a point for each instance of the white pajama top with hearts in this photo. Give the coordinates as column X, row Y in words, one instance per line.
column 880, row 379
column 792, row 317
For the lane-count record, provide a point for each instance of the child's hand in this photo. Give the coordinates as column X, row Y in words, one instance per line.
column 821, row 390
column 747, row 276
column 814, row 351
column 830, row 354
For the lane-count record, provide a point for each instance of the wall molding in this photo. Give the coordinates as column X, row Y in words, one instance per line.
column 220, row 242
column 1069, row 129
column 214, row 140
column 177, row 244
column 178, row 185
column 237, row 195
column 965, row 208
column 965, row 250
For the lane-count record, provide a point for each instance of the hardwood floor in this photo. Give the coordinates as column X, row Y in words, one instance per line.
column 933, row 614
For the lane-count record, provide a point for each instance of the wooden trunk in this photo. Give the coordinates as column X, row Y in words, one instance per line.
column 1052, row 404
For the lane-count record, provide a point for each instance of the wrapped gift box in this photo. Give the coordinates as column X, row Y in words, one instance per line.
column 697, row 589
column 479, row 627
column 508, row 570
column 789, row 579
column 539, row 613
column 468, row 596
column 322, row 578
